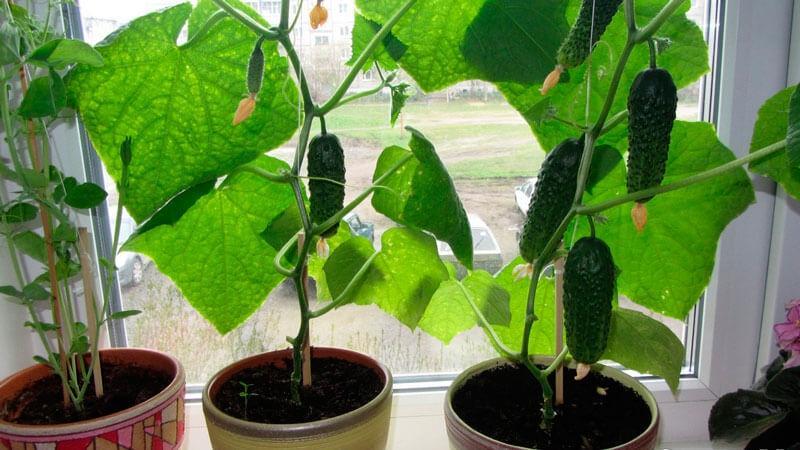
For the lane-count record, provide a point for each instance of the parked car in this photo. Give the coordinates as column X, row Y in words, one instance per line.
column 486, row 250
column 360, row 228
column 130, row 266
column 523, row 193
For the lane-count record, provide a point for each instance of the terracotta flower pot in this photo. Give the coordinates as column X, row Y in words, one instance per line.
column 157, row 423
column 366, row 428
column 464, row 437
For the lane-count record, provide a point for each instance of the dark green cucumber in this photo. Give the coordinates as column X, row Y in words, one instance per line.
column 589, row 285
column 576, row 47
column 326, row 160
column 255, row 68
column 552, row 197
column 652, row 103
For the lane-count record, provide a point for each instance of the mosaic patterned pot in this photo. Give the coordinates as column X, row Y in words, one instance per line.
column 156, row 424
column 366, row 428
column 464, row 437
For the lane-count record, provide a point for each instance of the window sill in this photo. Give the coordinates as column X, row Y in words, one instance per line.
column 418, row 422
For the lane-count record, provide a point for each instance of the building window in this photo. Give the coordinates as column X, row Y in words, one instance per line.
column 342, row 7
column 322, row 40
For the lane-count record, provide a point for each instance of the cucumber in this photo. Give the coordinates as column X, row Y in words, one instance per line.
column 589, row 286
column 552, row 198
column 326, row 160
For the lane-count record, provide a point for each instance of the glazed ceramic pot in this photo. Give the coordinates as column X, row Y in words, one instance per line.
column 366, row 428
column 157, row 423
column 464, row 437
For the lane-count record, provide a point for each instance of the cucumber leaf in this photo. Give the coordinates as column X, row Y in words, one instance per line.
column 772, row 126
column 667, row 266
column 449, row 312
column 215, row 253
column 686, row 59
column 645, row 345
column 423, row 181
column 387, row 53
column 793, row 133
column 177, row 103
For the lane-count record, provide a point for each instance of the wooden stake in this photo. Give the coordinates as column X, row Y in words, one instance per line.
column 559, row 266
column 307, row 337
column 55, row 301
column 91, row 308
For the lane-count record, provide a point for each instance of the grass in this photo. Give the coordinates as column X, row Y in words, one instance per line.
column 474, row 139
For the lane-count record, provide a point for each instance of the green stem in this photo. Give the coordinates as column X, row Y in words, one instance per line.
column 296, row 17
column 487, row 327
column 8, row 125
column 248, row 21
column 630, row 16
column 318, row 229
column 652, row 45
column 615, row 120
column 265, row 174
column 530, row 315
column 346, row 292
column 284, row 24
column 281, row 254
column 359, row 95
column 547, row 391
column 650, row 29
column 688, row 181
column 207, row 26
column 302, row 334
column 612, row 88
column 308, row 103
column 362, row 58
column 575, row 125
column 556, row 362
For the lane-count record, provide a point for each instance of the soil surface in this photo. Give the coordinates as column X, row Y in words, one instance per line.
column 338, row 387
column 124, row 385
column 505, row 404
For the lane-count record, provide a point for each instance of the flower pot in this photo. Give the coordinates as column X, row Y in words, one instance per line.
column 364, row 428
column 157, row 423
column 463, row 437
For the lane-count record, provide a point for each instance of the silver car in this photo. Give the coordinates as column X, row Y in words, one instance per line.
column 523, row 193
column 486, row 250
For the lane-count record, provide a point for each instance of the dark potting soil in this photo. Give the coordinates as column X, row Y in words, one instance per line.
column 505, row 404
column 338, row 387
column 124, row 386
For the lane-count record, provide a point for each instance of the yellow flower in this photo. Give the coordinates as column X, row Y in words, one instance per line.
column 245, row 109
column 318, row 15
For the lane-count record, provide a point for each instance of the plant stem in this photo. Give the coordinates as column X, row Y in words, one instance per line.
column 650, row 29
column 308, row 103
column 487, row 327
column 281, row 253
column 688, row 181
column 630, row 16
column 612, row 88
column 575, row 125
column 346, row 292
column 302, row 334
column 652, row 45
column 284, row 24
column 359, row 95
column 615, row 120
column 248, row 21
column 362, row 58
column 207, row 26
column 556, row 362
column 547, row 391
column 265, row 174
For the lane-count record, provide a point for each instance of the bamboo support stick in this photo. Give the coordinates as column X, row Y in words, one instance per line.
column 306, row 339
column 559, row 268
column 33, row 147
column 91, row 308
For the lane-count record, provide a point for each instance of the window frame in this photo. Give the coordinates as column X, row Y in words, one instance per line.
column 740, row 52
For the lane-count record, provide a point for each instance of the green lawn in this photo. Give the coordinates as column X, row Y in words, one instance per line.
column 474, row 139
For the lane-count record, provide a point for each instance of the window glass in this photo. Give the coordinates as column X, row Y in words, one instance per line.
column 486, row 145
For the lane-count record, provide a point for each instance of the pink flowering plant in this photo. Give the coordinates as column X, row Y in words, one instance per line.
column 767, row 413
column 788, row 333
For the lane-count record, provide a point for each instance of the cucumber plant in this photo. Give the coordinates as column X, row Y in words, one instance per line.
column 43, row 211
column 182, row 201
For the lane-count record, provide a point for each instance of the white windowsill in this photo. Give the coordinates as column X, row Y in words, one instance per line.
column 418, row 422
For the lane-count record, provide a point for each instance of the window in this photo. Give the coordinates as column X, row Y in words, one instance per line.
column 504, row 141
column 344, row 31
column 343, row 6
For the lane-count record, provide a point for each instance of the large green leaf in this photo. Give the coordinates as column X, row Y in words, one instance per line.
column 433, row 31
column 645, row 345
column 403, row 277
column 543, row 332
column 449, row 312
column 793, row 133
column 177, row 103
column 771, row 126
column 387, row 53
column 344, row 262
column 686, row 59
column 744, row 414
column 423, row 181
column 60, row 53
column 215, row 253
column 516, row 40
column 667, row 266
